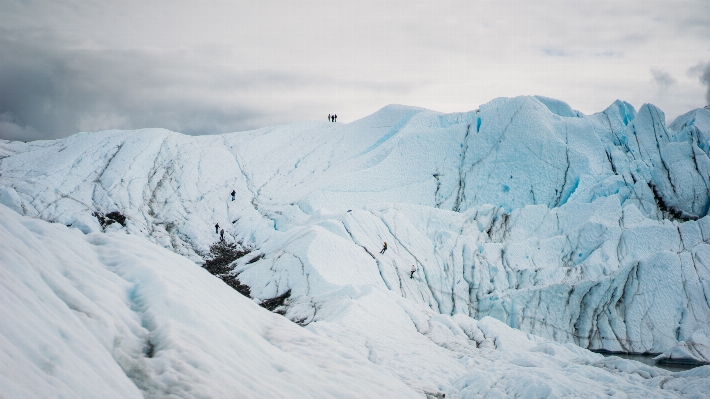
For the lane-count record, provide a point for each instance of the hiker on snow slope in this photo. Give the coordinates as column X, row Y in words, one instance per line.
column 384, row 248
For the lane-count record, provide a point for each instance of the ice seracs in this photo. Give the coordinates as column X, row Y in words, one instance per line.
column 113, row 315
column 583, row 229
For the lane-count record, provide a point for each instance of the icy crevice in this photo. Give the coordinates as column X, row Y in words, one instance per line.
column 462, row 173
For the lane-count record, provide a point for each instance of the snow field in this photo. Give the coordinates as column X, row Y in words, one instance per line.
column 633, row 289
column 116, row 316
column 590, row 230
column 112, row 315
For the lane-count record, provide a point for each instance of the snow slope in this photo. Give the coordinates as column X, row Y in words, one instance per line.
column 113, row 315
column 590, row 230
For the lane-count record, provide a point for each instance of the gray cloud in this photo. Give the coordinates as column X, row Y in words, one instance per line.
column 662, row 78
column 553, row 52
column 49, row 91
column 702, row 70
column 608, row 54
column 211, row 67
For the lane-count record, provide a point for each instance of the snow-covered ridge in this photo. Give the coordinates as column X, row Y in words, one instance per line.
column 584, row 229
column 115, row 316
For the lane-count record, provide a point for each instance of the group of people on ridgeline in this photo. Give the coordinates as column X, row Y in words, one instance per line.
column 382, row 252
column 332, row 118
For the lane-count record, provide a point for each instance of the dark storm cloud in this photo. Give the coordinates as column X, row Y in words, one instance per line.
column 702, row 70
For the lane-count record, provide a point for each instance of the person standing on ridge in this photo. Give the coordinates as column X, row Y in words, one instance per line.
column 414, row 269
column 329, row 118
column 384, row 248
column 216, row 228
column 335, row 117
column 233, row 194
column 221, row 235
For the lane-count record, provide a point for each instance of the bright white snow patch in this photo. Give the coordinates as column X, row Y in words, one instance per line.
column 592, row 230
column 114, row 316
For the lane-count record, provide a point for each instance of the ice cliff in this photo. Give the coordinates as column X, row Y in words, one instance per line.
column 590, row 230
column 115, row 316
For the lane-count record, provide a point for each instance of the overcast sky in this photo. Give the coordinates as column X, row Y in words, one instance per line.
column 205, row 67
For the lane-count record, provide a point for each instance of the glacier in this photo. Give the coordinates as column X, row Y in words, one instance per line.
column 116, row 316
column 578, row 231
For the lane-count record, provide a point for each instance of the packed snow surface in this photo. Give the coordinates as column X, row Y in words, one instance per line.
column 585, row 230
column 113, row 315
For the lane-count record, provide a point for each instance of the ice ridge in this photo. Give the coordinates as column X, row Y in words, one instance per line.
column 585, row 229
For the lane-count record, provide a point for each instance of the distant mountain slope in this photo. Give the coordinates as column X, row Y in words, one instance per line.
column 585, row 229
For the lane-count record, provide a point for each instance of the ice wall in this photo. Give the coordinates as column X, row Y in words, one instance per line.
column 585, row 229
